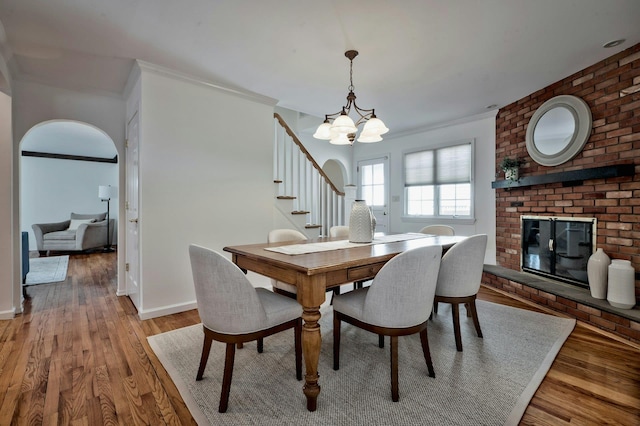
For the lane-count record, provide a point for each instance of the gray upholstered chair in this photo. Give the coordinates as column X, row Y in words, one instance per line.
column 280, row 236
column 393, row 305
column 233, row 311
column 339, row 231
column 81, row 232
column 459, row 280
column 438, row 230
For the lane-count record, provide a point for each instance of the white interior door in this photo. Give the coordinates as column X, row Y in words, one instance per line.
column 133, row 238
column 373, row 188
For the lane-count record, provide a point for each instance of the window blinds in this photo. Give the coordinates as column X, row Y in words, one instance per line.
column 439, row 166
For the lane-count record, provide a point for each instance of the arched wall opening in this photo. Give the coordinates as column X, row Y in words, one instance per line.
column 62, row 164
column 336, row 171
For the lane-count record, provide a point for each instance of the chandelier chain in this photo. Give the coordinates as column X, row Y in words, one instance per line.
column 351, row 87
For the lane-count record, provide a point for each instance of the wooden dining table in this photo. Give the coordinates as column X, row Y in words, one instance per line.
column 313, row 273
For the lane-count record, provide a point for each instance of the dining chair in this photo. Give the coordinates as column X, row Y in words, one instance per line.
column 438, row 230
column 339, row 231
column 232, row 311
column 393, row 305
column 279, row 236
column 459, row 281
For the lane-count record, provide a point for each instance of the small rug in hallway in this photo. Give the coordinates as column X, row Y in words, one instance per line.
column 490, row 383
column 44, row 270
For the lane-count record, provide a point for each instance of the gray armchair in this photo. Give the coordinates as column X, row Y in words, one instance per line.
column 87, row 231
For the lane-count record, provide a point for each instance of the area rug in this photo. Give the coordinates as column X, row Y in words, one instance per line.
column 490, row 383
column 44, row 270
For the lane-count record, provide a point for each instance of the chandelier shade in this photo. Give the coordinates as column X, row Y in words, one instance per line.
column 343, row 130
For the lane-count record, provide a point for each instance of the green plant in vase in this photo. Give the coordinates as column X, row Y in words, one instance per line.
column 510, row 167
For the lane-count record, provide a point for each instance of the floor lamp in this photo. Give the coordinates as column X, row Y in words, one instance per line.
column 105, row 193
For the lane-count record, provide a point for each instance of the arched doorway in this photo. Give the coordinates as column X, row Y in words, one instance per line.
column 336, row 171
column 62, row 165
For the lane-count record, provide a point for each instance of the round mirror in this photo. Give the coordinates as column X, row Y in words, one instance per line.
column 558, row 130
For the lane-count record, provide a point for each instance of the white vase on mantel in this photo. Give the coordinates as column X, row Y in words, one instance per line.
column 597, row 272
column 621, row 291
column 512, row 174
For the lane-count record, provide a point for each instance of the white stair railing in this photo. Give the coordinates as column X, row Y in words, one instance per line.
column 301, row 177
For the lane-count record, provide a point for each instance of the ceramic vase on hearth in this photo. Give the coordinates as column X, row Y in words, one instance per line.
column 361, row 223
column 597, row 271
column 621, row 291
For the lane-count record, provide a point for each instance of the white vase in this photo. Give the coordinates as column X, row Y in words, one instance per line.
column 512, row 174
column 621, row 292
column 361, row 223
column 597, row 271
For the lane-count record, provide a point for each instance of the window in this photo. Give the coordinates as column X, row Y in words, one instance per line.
column 437, row 182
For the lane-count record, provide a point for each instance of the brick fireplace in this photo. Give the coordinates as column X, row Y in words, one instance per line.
column 610, row 88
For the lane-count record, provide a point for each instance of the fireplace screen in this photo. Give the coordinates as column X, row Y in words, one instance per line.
column 558, row 247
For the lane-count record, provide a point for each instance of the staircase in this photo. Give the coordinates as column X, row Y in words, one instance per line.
column 304, row 193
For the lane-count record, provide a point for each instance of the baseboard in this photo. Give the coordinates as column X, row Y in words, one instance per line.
column 8, row 315
column 166, row 310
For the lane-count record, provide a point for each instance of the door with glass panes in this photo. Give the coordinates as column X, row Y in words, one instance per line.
column 373, row 188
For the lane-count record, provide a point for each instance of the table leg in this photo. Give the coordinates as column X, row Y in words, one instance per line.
column 311, row 294
column 311, row 342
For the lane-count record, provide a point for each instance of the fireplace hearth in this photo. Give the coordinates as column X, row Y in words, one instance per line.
column 558, row 247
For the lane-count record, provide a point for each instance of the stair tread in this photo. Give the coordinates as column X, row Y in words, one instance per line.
column 286, row 197
column 309, row 226
column 299, row 212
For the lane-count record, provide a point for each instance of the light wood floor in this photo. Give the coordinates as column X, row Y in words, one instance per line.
column 79, row 355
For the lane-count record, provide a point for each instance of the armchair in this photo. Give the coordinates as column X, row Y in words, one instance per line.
column 81, row 232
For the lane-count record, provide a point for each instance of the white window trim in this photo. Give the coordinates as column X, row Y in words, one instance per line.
column 466, row 220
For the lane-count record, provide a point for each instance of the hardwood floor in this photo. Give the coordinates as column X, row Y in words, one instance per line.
column 79, row 355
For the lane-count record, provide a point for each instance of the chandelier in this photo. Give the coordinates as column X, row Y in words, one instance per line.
column 342, row 131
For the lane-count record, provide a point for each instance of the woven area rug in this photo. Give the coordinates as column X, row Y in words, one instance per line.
column 490, row 383
column 43, row 270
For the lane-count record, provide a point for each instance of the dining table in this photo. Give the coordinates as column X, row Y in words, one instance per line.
column 319, row 264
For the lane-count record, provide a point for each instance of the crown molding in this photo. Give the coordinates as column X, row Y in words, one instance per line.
column 166, row 72
column 458, row 121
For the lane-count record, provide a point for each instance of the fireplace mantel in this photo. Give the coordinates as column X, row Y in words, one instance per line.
column 569, row 178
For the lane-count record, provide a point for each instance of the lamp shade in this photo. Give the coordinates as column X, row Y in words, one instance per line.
column 374, row 126
column 344, row 124
column 106, row 192
column 340, row 139
column 370, row 138
column 323, row 132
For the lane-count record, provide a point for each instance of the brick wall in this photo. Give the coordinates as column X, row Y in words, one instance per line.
column 615, row 139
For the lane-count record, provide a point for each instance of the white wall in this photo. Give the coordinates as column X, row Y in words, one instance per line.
column 8, row 263
column 205, row 177
column 480, row 128
column 52, row 188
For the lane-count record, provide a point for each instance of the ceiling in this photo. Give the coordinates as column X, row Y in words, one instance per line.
column 421, row 62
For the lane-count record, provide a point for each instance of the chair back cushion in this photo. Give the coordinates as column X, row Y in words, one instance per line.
column 401, row 294
column 461, row 268
column 339, row 231
column 75, row 223
column 438, row 230
column 279, row 236
column 97, row 216
column 227, row 302
column 282, row 235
